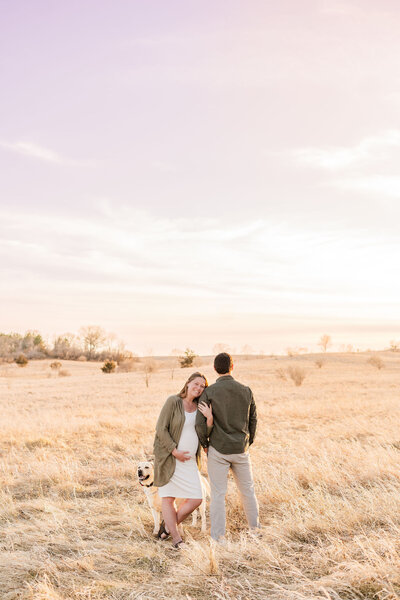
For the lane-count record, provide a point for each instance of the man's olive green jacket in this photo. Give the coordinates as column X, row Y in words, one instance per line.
column 234, row 413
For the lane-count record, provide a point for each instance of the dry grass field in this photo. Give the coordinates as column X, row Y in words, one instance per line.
column 75, row 524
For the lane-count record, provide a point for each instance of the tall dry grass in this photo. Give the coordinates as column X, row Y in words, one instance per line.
column 75, row 524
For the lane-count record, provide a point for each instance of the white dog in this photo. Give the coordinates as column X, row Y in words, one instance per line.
column 145, row 472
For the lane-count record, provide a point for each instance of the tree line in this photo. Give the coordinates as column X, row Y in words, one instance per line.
column 91, row 343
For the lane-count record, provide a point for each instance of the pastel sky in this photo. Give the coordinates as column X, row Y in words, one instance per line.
column 187, row 173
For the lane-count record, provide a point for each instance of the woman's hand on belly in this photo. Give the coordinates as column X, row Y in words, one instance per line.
column 181, row 455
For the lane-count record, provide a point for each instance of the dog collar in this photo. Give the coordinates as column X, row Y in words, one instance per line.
column 143, row 485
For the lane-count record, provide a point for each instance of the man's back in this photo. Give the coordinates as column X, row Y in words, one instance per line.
column 235, row 416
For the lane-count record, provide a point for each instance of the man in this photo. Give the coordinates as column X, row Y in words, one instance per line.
column 235, row 421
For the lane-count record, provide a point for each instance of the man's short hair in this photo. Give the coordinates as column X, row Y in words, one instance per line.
column 223, row 363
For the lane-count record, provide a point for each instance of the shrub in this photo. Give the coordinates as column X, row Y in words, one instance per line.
column 188, row 358
column 296, row 374
column 291, row 351
column 64, row 373
column 319, row 363
column 55, row 365
column 109, row 366
column 21, row 360
column 281, row 374
column 82, row 358
column 128, row 365
column 376, row 362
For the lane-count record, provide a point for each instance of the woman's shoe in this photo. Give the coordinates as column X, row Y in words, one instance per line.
column 163, row 534
column 179, row 545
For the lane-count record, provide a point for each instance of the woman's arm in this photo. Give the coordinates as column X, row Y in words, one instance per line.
column 162, row 426
column 163, row 434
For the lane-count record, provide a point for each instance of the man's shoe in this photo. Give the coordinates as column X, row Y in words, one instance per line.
column 221, row 541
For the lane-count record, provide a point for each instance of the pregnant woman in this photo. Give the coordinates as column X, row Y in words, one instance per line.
column 177, row 455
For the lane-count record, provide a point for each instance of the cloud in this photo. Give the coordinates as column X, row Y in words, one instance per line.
column 377, row 147
column 373, row 152
column 258, row 263
column 382, row 185
column 134, row 252
column 44, row 154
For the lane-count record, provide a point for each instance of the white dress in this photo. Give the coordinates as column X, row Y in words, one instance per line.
column 185, row 482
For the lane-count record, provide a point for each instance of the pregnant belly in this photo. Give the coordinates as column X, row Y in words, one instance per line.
column 188, row 445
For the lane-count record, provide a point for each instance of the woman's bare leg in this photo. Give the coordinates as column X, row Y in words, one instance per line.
column 186, row 508
column 170, row 518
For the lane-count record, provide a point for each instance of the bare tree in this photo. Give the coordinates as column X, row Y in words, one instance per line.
column 325, row 341
column 10, row 344
column 66, row 346
column 110, row 342
column 175, row 354
column 33, row 344
column 149, row 367
column 114, row 348
column 93, row 336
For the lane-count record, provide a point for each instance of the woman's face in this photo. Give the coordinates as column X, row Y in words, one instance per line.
column 195, row 387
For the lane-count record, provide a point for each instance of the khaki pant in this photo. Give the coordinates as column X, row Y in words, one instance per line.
column 218, row 466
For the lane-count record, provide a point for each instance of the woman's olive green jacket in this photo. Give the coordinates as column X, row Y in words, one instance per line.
column 168, row 432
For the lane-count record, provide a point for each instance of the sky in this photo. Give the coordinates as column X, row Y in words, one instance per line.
column 187, row 173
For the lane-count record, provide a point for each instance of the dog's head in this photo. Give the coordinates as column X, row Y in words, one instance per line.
column 145, row 471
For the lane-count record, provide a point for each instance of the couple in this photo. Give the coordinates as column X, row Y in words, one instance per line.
column 222, row 418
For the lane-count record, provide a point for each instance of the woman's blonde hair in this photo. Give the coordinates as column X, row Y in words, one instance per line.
column 183, row 391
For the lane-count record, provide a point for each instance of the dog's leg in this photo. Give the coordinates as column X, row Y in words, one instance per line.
column 156, row 518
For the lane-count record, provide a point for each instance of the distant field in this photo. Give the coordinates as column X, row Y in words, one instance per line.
column 75, row 525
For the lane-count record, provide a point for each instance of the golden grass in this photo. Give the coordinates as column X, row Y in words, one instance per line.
column 75, row 524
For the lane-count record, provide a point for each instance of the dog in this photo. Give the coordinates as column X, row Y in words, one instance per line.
column 145, row 472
